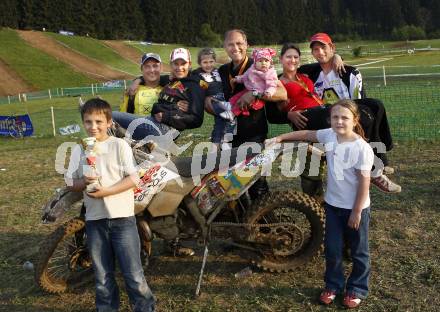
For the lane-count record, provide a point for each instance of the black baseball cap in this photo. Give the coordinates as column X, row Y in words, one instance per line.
column 148, row 56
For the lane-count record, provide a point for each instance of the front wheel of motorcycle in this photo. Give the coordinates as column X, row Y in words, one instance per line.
column 289, row 227
column 63, row 258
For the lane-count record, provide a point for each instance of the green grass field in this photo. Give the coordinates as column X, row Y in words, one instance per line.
column 95, row 49
column 37, row 68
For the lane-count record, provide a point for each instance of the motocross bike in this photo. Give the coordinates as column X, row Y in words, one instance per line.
column 282, row 231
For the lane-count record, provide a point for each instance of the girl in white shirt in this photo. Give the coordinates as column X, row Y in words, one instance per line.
column 347, row 201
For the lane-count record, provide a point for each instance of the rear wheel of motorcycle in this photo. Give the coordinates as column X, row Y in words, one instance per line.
column 305, row 236
column 63, row 259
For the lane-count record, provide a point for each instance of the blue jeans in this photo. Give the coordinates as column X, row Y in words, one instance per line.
column 111, row 239
column 223, row 130
column 336, row 229
column 143, row 125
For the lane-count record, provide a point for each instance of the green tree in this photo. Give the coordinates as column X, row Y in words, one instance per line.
column 40, row 14
column 208, row 37
column 9, row 16
column 269, row 22
column 391, row 15
column 411, row 12
column 265, row 21
column 315, row 17
column 408, row 32
column 291, row 19
column 158, row 20
column 60, row 16
column 85, row 18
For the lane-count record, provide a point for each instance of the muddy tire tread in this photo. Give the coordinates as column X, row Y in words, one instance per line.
column 46, row 251
column 315, row 216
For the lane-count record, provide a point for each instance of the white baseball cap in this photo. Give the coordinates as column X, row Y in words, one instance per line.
column 180, row 53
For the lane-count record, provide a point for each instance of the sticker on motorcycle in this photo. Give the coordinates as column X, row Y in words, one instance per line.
column 152, row 181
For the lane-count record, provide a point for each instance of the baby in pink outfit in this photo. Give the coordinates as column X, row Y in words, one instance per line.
column 261, row 78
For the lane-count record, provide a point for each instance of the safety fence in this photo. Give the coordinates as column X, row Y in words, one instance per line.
column 365, row 50
column 93, row 89
column 413, row 110
column 412, row 105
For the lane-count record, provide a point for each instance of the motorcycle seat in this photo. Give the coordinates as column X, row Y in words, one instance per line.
column 206, row 163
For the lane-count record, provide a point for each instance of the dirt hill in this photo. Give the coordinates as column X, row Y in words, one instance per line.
column 10, row 82
column 130, row 53
column 78, row 62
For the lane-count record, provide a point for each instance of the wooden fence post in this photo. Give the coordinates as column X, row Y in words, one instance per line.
column 53, row 121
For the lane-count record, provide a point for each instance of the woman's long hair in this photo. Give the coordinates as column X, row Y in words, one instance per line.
column 353, row 108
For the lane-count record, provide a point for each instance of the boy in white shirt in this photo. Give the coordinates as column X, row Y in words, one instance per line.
column 110, row 222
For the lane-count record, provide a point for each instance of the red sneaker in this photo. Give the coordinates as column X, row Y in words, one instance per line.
column 327, row 296
column 384, row 184
column 351, row 301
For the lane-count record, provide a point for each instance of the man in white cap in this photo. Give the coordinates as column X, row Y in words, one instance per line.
column 182, row 87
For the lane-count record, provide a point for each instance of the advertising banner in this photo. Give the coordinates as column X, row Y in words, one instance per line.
column 16, row 126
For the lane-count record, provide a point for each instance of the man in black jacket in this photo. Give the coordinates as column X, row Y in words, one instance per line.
column 332, row 86
column 251, row 128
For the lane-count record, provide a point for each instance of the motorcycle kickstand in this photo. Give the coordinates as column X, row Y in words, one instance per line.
column 205, row 257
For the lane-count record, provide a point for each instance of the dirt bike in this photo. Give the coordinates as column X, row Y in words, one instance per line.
column 282, row 231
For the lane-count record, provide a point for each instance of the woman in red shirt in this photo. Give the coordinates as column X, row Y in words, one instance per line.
column 300, row 91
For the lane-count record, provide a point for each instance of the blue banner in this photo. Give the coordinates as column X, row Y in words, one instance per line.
column 16, row 126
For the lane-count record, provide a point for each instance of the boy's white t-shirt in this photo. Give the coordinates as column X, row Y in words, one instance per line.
column 114, row 161
column 342, row 161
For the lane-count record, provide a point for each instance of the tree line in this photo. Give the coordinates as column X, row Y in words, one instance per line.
column 198, row 22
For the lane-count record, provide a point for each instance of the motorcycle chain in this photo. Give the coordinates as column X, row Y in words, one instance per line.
column 252, row 225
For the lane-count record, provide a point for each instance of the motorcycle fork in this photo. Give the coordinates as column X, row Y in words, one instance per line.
column 197, row 215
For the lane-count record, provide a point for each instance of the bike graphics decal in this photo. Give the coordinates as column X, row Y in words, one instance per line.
column 152, row 181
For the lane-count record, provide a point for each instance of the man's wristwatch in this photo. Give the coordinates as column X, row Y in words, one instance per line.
column 257, row 95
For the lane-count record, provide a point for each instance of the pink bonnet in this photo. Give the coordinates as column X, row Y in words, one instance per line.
column 266, row 53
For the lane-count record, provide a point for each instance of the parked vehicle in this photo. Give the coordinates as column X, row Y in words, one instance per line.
column 282, row 231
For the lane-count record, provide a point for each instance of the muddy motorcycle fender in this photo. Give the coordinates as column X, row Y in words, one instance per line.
column 61, row 202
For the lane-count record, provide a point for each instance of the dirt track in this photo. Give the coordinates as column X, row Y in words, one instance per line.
column 123, row 50
column 77, row 61
column 130, row 53
column 10, row 82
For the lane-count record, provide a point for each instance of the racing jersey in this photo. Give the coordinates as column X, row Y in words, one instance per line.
column 332, row 87
column 144, row 99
